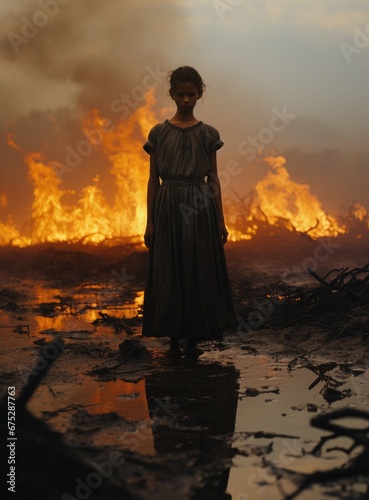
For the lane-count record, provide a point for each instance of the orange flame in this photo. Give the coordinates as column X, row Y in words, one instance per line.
column 278, row 198
column 93, row 219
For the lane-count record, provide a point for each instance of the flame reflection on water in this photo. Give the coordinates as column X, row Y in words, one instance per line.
column 284, row 412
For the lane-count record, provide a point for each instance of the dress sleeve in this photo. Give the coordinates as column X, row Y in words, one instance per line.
column 216, row 142
column 150, row 144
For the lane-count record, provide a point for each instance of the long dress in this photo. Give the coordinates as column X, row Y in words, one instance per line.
column 187, row 292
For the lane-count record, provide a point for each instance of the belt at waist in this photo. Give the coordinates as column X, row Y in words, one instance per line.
column 182, row 182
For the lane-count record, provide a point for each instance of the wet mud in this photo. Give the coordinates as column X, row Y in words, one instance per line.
column 234, row 423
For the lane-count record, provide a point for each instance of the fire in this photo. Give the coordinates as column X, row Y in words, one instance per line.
column 8, row 232
column 7, row 229
column 358, row 212
column 278, row 199
column 93, row 218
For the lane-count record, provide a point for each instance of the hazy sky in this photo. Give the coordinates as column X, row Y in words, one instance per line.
column 291, row 75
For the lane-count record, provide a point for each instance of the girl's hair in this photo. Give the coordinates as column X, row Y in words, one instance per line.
column 185, row 74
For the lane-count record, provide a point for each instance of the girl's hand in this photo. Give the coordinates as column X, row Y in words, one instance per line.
column 149, row 236
column 224, row 233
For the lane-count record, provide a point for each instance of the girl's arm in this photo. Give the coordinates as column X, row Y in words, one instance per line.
column 214, row 185
column 152, row 189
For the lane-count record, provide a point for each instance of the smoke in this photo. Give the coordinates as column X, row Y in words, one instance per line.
column 60, row 59
column 95, row 50
column 327, row 172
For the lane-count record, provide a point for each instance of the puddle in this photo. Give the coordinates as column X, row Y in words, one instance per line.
column 201, row 410
column 46, row 311
column 232, row 418
column 286, row 414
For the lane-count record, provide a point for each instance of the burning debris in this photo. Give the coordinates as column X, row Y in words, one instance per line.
column 277, row 203
column 93, row 219
column 113, row 210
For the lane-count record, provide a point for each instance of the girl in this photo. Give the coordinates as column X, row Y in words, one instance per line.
column 187, row 292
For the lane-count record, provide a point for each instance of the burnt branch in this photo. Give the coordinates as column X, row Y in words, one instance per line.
column 357, row 467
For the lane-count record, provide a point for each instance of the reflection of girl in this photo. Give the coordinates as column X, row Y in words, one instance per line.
column 187, row 292
column 194, row 413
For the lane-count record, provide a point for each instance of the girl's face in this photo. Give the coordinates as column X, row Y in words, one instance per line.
column 185, row 96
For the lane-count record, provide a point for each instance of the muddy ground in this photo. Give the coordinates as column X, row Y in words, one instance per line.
column 116, row 417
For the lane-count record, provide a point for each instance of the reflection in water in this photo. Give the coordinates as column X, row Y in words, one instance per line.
column 194, row 409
